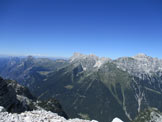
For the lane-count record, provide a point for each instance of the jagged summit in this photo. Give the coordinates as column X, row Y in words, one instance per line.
column 142, row 56
column 77, row 55
column 140, row 64
column 89, row 61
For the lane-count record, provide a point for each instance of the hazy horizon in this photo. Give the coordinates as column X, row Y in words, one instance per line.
column 62, row 57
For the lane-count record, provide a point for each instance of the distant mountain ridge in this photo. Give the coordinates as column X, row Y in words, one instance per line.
column 116, row 86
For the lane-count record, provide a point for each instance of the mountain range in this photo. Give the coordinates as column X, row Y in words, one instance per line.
column 90, row 87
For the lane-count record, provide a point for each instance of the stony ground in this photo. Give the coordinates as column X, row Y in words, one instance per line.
column 35, row 116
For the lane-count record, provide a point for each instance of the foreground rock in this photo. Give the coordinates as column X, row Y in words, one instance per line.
column 36, row 116
column 149, row 115
column 16, row 99
column 11, row 101
column 117, row 120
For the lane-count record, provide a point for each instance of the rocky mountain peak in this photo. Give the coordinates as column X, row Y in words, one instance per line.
column 77, row 56
column 30, row 58
column 141, row 56
column 90, row 61
column 140, row 64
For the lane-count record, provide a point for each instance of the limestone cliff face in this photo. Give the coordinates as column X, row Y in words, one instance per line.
column 10, row 100
column 35, row 116
column 7, row 95
column 20, row 90
column 16, row 99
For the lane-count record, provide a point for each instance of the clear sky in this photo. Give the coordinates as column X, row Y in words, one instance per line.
column 110, row 28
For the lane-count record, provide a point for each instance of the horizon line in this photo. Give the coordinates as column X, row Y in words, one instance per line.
column 67, row 57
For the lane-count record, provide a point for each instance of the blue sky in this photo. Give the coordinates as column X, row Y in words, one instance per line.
column 110, row 28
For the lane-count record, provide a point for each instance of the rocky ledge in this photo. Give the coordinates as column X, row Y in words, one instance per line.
column 35, row 116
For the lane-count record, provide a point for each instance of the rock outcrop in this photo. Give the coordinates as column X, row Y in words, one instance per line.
column 36, row 116
column 16, row 99
column 52, row 105
column 139, row 65
column 149, row 115
column 9, row 99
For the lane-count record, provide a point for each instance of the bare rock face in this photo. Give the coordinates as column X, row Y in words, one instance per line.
column 2, row 109
column 7, row 95
column 16, row 99
column 89, row 62
column 139, row 64
column 20, row 90
column 36, row 116
column 52, row 105
column 9, row 99
column 149, row 115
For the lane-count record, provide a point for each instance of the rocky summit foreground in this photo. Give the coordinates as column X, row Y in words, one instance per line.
column 35, row 116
